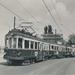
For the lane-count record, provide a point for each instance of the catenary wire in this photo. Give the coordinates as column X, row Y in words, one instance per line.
column 29, row 13
column 16, row 15
column 59, row 17
column 51, row 15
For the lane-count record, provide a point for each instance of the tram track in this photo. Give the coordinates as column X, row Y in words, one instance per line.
column 15, row 68
column 46, row 67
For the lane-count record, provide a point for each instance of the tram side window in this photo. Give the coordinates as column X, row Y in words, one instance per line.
column 32, row 44
column 52, row 46
column 10, row 42
column 68, row 49
column 38, row 45
column 57, row 48
column 20, row 43
column 6, row 42
column 41, row 46
column 49, row 47
column 26, row 44
column 35, row 45
column 14, row 43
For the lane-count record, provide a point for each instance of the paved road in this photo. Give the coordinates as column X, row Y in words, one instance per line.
column 65, row 66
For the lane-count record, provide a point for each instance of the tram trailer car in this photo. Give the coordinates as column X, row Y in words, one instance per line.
column 22, row 47
column 70, row 51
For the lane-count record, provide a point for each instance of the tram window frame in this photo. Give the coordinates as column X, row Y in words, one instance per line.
column 20, row 43
column 26, row 44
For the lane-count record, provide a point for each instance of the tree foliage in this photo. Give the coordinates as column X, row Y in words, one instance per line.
column 71, row 40
column 49, row 29
column 45, row 30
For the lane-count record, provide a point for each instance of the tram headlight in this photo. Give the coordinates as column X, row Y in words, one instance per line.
column 19, row 54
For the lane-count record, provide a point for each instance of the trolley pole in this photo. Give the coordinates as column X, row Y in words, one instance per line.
column 14, row 22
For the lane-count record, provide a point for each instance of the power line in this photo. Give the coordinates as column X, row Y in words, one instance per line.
column 58, row 16
column 29, row 13
column 16, row 14
column 51, row 15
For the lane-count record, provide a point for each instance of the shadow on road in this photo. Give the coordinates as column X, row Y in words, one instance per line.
column 4, row 63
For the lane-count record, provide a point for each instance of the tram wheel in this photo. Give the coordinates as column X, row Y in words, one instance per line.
column 9, row 62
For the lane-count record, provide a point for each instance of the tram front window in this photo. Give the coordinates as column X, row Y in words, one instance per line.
column 20, row 43
column 6, row 42
column 10, row 42
column 14, row 43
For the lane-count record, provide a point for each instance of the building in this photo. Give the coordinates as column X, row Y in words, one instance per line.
column 53, row 38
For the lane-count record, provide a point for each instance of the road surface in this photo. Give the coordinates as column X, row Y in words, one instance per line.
column 65, row 66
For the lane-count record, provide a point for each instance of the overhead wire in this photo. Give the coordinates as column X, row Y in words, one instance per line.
column 16, row 14
column 29, row 13
column 59, row 17
column 51, row 15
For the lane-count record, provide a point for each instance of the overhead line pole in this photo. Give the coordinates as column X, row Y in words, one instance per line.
column 14, row 22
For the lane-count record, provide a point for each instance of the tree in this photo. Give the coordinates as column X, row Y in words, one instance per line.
column 50, row 29
column 45, row 30
column 71, row 40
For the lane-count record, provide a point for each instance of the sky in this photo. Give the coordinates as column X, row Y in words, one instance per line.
column 35, row 11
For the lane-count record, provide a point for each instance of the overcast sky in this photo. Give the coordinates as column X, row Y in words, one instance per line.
column 65, row 9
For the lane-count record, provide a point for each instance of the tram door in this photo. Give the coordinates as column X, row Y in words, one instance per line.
column 40, row 51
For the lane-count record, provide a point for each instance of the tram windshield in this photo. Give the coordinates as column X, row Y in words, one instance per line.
column 14, row 43
column 6, row 42
column 19, row 42
column 10, row 42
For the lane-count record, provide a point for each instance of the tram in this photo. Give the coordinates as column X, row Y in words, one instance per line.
column 23, row 47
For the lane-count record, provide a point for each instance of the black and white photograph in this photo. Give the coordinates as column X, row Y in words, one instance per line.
column 37, row 37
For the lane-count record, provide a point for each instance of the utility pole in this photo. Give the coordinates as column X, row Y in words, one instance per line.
column 14, row 22
column 55, row 36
